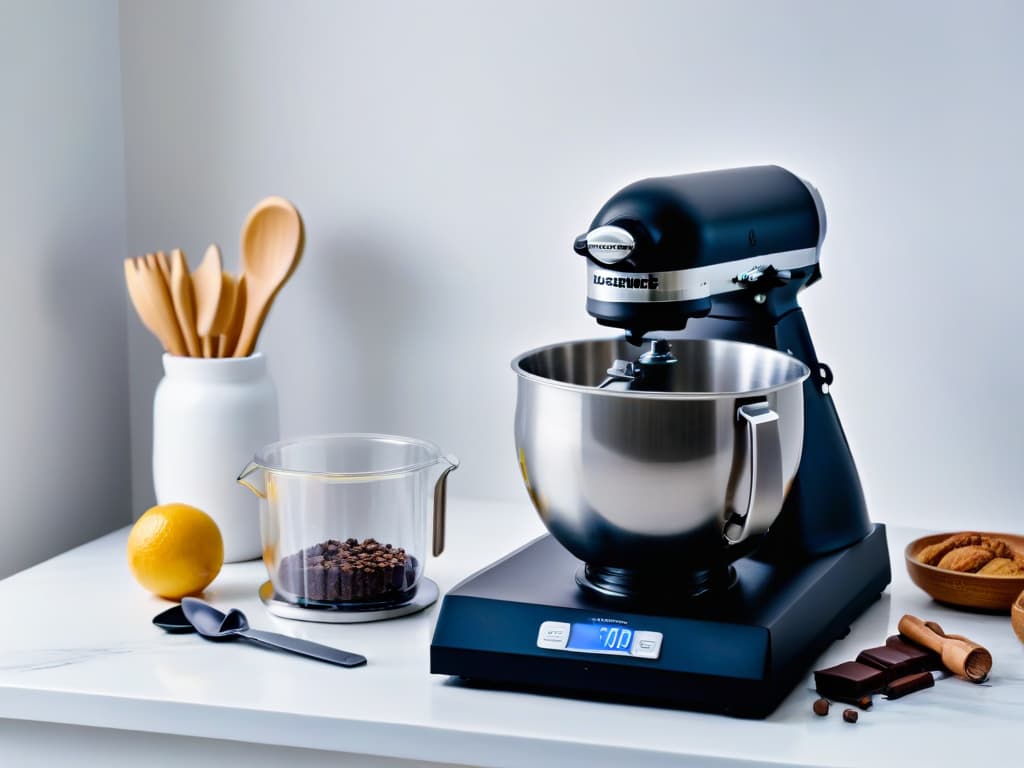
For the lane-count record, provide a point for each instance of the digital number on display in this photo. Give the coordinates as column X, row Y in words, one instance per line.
column 598, row 637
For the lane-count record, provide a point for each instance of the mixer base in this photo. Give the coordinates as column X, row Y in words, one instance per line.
column 642, row 587
column 738, row 651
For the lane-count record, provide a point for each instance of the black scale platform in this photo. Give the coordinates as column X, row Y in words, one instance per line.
column 739, row 652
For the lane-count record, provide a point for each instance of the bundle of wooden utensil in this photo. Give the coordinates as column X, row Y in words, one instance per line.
column 208, row 312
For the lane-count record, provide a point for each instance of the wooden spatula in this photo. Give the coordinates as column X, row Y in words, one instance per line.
column 141, row 301
column 272, row 240
column 215, row 299
column 229, row 338
column 155, row 297
column 183, row 296
column 165, row 266
column 225, row 310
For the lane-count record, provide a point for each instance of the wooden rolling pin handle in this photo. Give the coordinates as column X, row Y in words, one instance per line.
column 959, row 655
column 915, row 629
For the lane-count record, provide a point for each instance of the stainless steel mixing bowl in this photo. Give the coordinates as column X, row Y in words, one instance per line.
column 658, row 481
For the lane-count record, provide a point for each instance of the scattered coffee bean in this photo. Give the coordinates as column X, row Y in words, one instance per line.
column 821, row 707
column 850, row 715
column 864, row 702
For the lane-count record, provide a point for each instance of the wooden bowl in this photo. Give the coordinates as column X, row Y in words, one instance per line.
column 1017, row 617
column 969, row 590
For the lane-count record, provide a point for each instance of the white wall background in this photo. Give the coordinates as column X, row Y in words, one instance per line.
column 445, row 154
column 64, row 376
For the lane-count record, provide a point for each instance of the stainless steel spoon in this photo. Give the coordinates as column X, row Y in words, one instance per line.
column 213, row 624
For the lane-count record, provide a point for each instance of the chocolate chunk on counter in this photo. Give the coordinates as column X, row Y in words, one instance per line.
column 929, row 659
column 820, row 707
column 849, row 681
column 850, row 715
column 909, row 684
column 892, row 661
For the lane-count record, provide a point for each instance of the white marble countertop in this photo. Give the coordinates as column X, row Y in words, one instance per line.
column 77, row 648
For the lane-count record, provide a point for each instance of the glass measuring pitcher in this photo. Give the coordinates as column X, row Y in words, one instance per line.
column 344, row 517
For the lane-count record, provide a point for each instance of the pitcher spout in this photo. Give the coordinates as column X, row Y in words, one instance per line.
column 243, row 479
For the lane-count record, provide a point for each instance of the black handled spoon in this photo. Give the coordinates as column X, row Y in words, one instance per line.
column 194, row 615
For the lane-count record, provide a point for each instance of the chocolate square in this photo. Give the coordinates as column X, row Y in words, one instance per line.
column 929, row 659
column 849, row 681
column 909, row 684
column 893, row 662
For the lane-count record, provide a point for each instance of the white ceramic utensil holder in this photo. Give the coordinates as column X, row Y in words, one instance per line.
column 210, row 415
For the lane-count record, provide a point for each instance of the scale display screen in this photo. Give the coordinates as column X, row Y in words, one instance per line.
column 599, row 637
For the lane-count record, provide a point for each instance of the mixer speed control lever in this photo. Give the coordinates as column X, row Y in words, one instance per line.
column 761, row 276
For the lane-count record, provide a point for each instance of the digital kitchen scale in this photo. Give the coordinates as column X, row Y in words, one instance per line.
column 524, row 623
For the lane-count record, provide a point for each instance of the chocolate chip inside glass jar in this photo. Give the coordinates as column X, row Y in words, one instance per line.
column 348, row 571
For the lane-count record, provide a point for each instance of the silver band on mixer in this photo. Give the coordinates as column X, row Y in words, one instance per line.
column 687, row 284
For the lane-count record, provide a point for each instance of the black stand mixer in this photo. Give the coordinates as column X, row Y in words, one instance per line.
column 709, row 531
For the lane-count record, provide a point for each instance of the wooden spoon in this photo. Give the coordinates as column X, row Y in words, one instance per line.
column 156, row 297
column 184, row 299
column 960, row 656
column 272, row 241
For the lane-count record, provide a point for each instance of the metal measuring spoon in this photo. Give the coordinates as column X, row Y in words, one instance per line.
column 173, row 620
column 212, row 624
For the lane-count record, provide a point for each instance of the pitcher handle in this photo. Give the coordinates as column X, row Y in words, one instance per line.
column 241, row 479
column 440, row 502
column 762, row 464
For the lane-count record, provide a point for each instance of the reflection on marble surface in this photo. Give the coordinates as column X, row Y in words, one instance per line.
column 52, row 658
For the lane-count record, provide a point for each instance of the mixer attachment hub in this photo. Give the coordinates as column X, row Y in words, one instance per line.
column 652, row 371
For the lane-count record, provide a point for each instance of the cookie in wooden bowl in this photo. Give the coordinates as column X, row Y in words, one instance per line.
column 971, row 569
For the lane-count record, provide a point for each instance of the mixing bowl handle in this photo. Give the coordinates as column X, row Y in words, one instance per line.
column 440, row 501
column 760, row 472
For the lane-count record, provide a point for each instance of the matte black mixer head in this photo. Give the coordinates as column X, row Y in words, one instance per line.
column 666, row 249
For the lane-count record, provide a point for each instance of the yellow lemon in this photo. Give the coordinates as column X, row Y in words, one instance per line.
column 175, row 550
